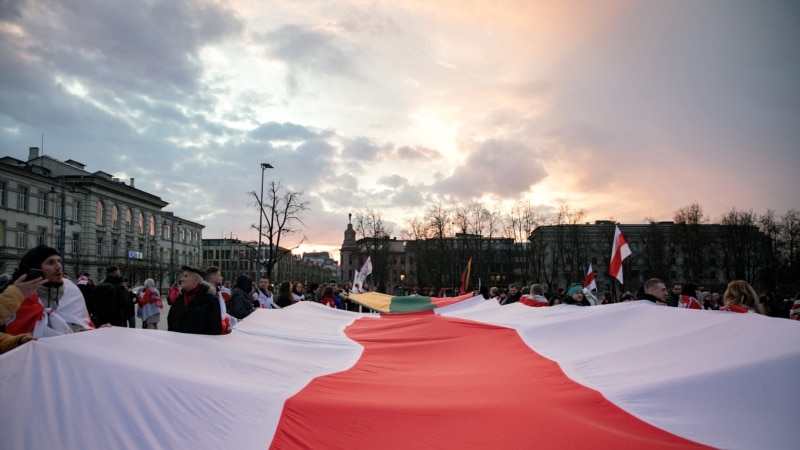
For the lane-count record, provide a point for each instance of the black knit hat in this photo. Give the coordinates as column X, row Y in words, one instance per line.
column 244, row 282
column 34, row 259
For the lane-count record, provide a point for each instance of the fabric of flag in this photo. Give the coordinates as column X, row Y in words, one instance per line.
column 365, row 271
column 589, row 282
column 619, row 252
column 472, row 374
column 465, row 278
column 395, row 304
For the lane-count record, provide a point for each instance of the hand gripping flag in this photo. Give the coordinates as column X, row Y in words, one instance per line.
column 589, row 282
column 465, row 278
column 619, row 252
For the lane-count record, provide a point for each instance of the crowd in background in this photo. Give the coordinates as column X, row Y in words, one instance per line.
column 38, row 300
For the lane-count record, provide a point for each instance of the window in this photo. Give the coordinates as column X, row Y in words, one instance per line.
column 151, row 226
column 78, row 211
column 98, row 219
column 3, row 192
column 2, row 233
column 22, row 235
column 114, row 217
column 58, row 240
column 43, row 206
column 22, row 198
column 114, row 247
column 99, row 246
column 41, row 237
column 140, row 223
column 76, row 243
column 128, row 223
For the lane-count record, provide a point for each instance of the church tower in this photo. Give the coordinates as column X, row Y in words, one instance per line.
column 347, row 252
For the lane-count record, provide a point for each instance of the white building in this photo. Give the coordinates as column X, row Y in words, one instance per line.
column 93, row 219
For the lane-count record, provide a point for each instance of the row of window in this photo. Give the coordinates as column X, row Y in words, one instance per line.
column 73, row 212
column 184, row 236
column 25, row 238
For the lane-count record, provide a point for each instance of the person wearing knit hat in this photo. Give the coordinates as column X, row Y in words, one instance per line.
column 575, row 296
column 37, row 314
column 241, row 303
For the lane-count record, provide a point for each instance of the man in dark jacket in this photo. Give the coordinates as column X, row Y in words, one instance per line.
column 196, row 310
column 513, row 295
column 655, row 290
column 110, row 300
column 241, row 301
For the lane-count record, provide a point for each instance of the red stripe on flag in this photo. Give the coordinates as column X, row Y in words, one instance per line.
column 442, row 382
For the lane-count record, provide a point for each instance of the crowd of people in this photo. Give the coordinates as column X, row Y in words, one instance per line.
column 739, row 297
column 39, row 301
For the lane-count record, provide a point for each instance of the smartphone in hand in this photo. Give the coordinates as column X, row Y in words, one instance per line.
column 33, row 274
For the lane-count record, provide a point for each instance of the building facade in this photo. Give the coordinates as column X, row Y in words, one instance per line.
column 93, row 219
column 433, row 265
column 557, row 256
column 709, row 255
column 235, row 257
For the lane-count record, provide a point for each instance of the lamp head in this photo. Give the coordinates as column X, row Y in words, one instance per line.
column 266, row 166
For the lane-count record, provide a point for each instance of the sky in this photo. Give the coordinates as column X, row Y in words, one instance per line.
column 626, row 109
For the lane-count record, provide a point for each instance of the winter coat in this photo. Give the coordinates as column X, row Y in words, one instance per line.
column 241, row 304
column 196, row 312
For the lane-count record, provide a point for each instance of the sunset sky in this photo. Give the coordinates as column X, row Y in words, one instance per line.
column 628, row 109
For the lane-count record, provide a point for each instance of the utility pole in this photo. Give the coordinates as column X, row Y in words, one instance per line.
column 261, row 219
column 63, row 229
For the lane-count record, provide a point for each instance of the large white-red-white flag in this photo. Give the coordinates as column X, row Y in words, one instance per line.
column 619, row 252
column 589, row 281
column 309, row 376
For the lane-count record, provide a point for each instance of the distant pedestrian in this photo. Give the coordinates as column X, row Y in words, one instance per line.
column 110, row 300
column 150, row 305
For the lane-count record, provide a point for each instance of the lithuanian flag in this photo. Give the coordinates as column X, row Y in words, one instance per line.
column 392, row 304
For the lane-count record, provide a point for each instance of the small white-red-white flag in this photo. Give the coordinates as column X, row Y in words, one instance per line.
column 589, row 282
column 619, row 252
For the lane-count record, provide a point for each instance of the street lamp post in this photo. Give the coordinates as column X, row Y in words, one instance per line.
column 261, row 218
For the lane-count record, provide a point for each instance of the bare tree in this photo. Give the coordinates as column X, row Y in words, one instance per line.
column 281, row 214
column 789, row 238
column 742, row 247
column 375, row 234
column 439, row 219
column 688, row 235
column 418, row 232
column 572, row 244
column 520, row 221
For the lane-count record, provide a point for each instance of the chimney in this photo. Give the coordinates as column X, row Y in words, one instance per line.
column 33, row 153
column 132, row 181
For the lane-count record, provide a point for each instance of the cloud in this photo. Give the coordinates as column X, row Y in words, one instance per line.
column 273, row 131
column 312, row 51
column 503, row 168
